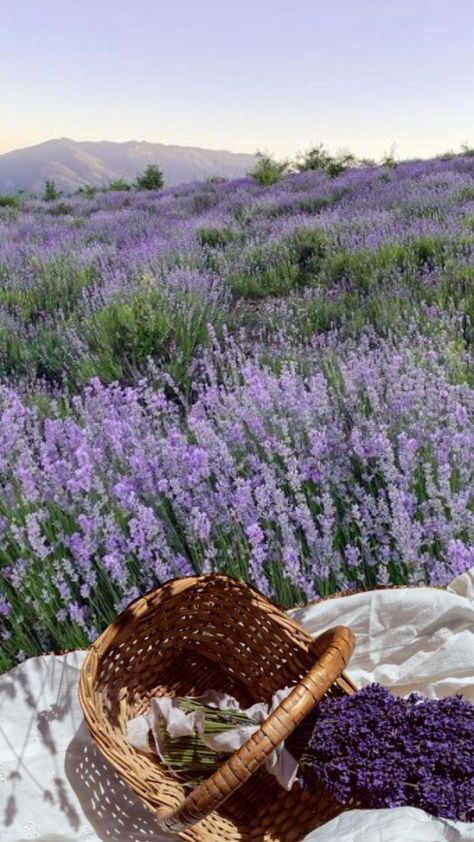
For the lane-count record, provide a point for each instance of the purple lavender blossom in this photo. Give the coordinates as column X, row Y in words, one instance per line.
column 385, row 751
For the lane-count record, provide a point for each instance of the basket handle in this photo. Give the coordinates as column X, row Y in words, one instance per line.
column 333, row 650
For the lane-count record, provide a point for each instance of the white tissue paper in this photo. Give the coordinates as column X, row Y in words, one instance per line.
column 280, row 763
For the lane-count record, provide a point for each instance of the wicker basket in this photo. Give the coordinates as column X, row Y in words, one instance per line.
column 205, row 632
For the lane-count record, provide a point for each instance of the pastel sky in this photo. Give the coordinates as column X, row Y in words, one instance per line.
column 240, row 74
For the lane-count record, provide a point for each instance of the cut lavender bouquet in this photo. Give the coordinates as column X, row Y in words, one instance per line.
column 371, row 748
column 386, row 751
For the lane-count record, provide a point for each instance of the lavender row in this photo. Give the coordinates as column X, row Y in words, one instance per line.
column 348, row 465
column 78, row 277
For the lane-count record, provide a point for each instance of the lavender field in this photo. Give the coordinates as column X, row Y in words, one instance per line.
column 271, row 382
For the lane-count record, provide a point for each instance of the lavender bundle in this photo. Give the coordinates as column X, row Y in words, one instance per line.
column 371, row 748
column 385, row 751
column 188, row 757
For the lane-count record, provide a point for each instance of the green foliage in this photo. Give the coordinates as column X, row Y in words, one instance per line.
column 318, row 158
column 215, row 237
column 124, row 334
column 7, row 201
column 457, row 289
column 269, row 270
column 389, row 159
column 315, row 158
column 118, row 184
column 51, row 193
column 467, row 151
column 365, row 268
column 447, row 156
column 318, row 315
column 86, row 190
column 317, row 204
column 340, row 164
column 150, row 179
column 310, row 259
column 45, row 354
column 61, row 209
column 429, row 250
column 267, row 170
column 465, row 194
column 308, row 249
column 275, row 280
column 57, row 288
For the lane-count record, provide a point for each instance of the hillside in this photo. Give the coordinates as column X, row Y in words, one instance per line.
column 276, row 383
column 71, row 163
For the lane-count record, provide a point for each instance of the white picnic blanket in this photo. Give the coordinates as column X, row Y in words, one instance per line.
column 55, row 786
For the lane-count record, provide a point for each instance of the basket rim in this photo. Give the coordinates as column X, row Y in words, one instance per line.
column 150, row 600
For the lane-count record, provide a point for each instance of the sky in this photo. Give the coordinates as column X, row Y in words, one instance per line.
column 240, row 74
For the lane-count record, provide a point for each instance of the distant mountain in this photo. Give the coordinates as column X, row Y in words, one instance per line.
column 71, row 163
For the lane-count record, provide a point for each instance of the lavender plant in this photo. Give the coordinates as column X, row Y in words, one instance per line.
column 321, row 441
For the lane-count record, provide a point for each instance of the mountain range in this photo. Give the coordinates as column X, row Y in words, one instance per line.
column 72, row 163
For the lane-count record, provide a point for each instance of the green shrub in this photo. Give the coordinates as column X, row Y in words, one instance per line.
column 56, row 285
column 389, row 159
column 150, row 179
column 368, row 267
column 86, row 190
column 61, row 209
column 276, row 280
column 9, row 201
column 267, row 170
column 319, row 315
column 457, row 288
column 340, row 164
column 215, row 237
column 51, row 193
column 124, row 334
column 279, row 269
column 315, row 205
column 464, row 194
column 447, row 156
column 317, row 158
column 45, row 353
column 308, row 249
column 429, row 250
column 119, row 185
column 352, row 266
column 352, row 313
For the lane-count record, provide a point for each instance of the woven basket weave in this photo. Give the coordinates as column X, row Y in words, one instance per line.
column 214, row 632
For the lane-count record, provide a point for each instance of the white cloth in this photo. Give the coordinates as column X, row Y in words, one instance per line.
column 55, row 786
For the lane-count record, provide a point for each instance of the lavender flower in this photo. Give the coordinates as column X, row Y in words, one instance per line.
column 384, row 751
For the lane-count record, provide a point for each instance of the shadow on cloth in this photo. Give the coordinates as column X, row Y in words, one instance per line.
column 113, row 810
column 29, row 692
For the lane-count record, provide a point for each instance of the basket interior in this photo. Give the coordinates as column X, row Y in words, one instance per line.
column 214, row 634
